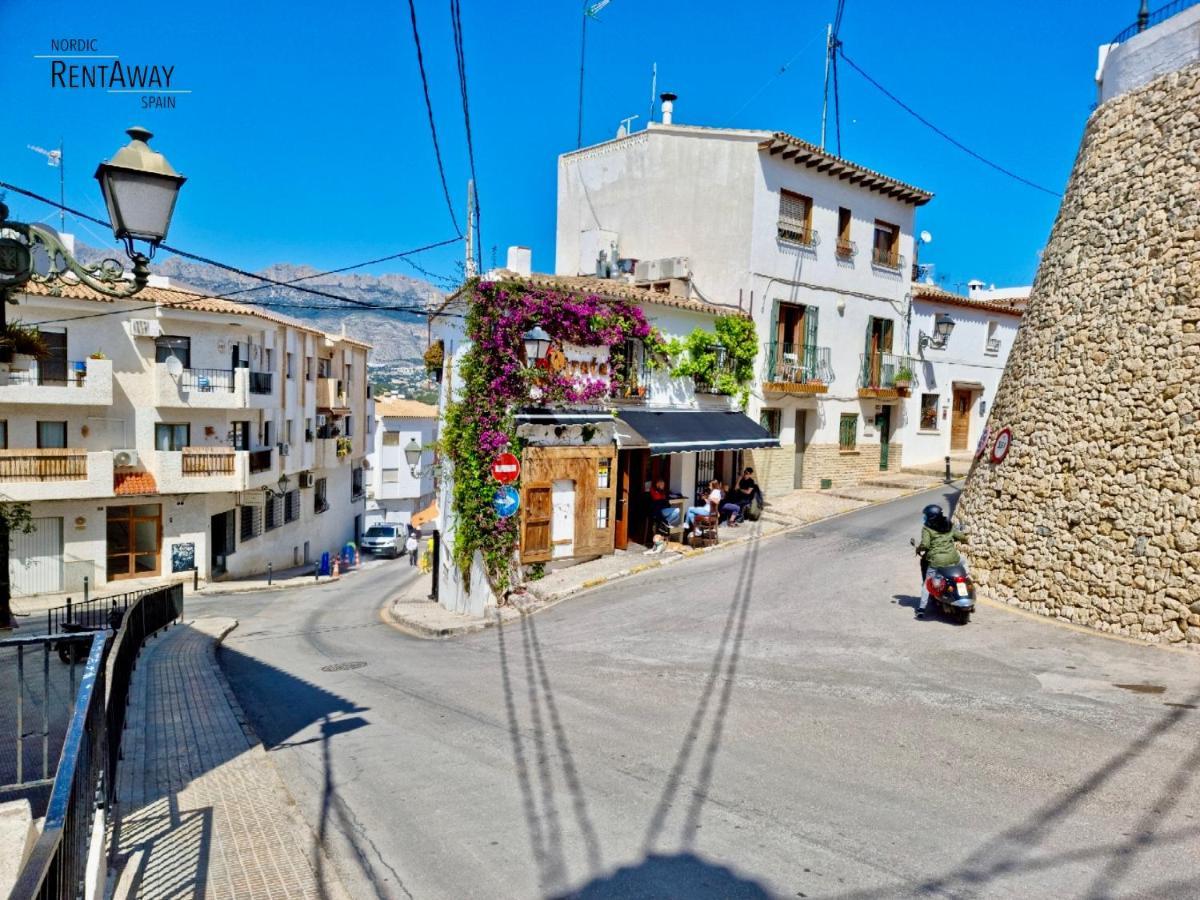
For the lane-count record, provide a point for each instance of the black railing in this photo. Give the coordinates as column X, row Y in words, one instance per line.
column 886, row 371
column 207, row 381
column 797, row 233
column 57, row 865
column 1154, row 18
column 260, row 461
column 260, row 382
column 798, row 364
column 887, row 259
column 722, row 365
column 94, row 614
column 846, row 249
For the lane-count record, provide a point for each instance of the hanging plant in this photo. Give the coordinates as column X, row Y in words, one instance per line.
column 719, row 361
column 434, row 358
column 495, row 381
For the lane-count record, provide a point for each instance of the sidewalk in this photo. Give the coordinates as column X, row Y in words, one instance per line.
column 202, row 811
column 414, row 613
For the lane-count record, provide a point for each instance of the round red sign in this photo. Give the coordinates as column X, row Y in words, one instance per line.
column 1003, row 444
column 506, row 468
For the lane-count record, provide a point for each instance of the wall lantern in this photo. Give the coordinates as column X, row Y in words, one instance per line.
column 140, row 189
column 537, row 345
column 280, row 490
column 942, row 327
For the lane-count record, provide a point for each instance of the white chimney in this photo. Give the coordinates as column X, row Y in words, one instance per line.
column 974, row 287
column 668, row 106
column 520, row 260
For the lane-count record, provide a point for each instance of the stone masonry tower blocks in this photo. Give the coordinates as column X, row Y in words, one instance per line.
column 1094, row 516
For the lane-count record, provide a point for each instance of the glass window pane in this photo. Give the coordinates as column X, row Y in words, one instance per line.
column 118, row 566
column 3, row 435
column 118, row 537
column 145, row 534
column 52, row 434
column 145, row 563
column 118, row 512
column 146, row 509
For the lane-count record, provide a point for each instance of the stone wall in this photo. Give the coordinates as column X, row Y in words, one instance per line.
column 773, row 469
column 1094, row 516
column 844, row 467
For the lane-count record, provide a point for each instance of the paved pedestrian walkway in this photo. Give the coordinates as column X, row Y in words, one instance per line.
column 201, row 810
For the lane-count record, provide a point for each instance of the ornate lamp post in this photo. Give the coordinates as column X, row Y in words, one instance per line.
column 140, row 189
column 942, row 327
column 537, row 345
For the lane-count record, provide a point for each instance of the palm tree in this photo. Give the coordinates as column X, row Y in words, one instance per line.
column 21, row 340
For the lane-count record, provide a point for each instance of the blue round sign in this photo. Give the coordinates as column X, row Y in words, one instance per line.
column 506, row 501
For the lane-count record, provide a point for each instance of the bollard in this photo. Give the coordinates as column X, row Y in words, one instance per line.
column 269, row 574
column 195, row 578
column 85, row 589
column 69, row 619
column 948, row 476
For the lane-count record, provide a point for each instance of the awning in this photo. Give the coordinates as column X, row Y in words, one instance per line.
column 531, row 416
column 675, row 431
column 428, row 514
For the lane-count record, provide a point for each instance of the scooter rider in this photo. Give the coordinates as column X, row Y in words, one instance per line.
column 937, row 547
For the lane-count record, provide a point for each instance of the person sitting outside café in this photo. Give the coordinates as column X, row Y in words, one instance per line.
column 660, row 506
column 746, row 493
column 706, row 507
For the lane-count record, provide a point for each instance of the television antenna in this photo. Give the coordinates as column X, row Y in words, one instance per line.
column 55, row 158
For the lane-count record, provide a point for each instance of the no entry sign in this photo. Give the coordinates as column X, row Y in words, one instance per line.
column 506, row 469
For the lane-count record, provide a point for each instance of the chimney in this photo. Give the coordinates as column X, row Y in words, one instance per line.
column 520, row 260
column 668, row 106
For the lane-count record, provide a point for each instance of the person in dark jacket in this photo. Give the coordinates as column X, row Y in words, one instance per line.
column 937, row 547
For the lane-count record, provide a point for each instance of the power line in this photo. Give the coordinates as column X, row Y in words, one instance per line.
column 437, row 150
column 461, row 59
column 961, row 146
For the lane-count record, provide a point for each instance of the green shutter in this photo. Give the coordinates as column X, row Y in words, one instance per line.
column 773, row 335
column 811, row 357
column 866, row 359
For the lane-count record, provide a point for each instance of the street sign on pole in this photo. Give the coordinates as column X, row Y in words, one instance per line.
column 506, row 501
column 506, row 469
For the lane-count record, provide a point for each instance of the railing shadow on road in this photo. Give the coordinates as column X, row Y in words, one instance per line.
column 656, row 873
column 1009, row 854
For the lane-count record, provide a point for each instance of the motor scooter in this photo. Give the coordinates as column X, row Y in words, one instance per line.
column 951, row 588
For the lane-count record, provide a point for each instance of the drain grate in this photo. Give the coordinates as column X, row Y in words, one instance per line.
column 343, row 666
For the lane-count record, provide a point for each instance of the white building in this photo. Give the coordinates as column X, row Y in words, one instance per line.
column 956, row 382
column 817, row 249
column 153, row 437
column 394, row 494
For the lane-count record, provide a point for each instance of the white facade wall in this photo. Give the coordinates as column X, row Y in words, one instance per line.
column 140, row 393
column 393, row 494
column 966, row 362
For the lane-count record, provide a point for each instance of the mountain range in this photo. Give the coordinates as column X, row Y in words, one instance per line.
column 397, row 336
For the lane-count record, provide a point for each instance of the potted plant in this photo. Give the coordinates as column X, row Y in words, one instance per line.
column 344, row 446
column 97, row 354
column 435, row 358
column 903, row 378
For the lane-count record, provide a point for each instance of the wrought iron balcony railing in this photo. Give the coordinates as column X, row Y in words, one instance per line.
column 798, row 233
column 846, row 249
column 800, row 364
column 887, row 259
column 886, row 371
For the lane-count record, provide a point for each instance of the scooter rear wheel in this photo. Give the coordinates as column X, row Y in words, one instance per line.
column 963, row 616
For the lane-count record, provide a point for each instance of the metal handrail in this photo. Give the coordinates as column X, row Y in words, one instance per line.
column 887, row 260
column 1154, row 18
column 879, row 370
column 208, row 380
column 797, row 233
column 846, row 249
column 799, row 363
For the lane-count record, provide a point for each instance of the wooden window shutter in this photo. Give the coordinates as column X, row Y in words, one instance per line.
column 537, row 509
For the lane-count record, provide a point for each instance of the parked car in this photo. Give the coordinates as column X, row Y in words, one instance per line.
column 383, row 540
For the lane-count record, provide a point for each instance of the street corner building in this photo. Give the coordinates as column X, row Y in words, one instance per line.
column 172, row 432
column 1094, row 514
column 587, row 468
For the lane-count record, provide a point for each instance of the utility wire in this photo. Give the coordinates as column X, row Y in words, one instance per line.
column 961, row 146
column 461, row 59
column 437, row 150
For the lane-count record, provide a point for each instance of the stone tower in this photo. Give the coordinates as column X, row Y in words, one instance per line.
column 1094, row 516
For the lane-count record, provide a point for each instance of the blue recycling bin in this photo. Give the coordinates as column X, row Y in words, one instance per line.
column 325, row 568
column 347, row 557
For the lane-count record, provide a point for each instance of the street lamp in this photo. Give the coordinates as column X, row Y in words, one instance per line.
column 280, row 490
column 537, row 345
column 140, row 189
column 412, row 455
column 942, row 327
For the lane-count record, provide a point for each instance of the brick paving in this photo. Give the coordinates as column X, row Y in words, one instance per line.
column 202, row 810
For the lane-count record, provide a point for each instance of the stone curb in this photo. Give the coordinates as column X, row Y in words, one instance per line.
column 547, row 601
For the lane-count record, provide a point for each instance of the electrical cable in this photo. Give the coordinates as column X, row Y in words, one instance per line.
column 961, row 146
column 461, row 60
column 437, row 150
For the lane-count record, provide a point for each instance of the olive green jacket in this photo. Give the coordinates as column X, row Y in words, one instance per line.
column 939, row 548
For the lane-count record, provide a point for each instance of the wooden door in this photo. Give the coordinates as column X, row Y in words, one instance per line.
column 536, row 511
column 621, row 526
column 960, row 422
column 801, row 439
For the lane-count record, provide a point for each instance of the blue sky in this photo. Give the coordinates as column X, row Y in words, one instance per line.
column 305, row 136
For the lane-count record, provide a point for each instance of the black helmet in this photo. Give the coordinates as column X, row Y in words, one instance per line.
column 931, row 512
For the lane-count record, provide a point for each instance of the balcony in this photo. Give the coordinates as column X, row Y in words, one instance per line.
column 200, row 388
column 84, row 382
column 203, row 470
column 798, row 234
column 992, row 347
column 846, row 250
column 797, row 369
column 883, row 258
column 331, row 396
column 260, row 382
column 55, row 474
column 885, row 376
column 332, row 451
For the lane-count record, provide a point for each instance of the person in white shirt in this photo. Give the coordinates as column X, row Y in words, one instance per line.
column 411, row 546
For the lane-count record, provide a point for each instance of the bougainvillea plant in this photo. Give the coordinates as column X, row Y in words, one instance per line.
column 493, row 382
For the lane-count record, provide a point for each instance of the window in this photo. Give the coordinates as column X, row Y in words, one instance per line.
column 992, row 346
column 848, row 432
column 241, row 435
column 291, row 505
column 171, row 345
column 172, row 437
column 356, row 483
column 268, row 359
column 349, row 426
column 602, row 512
column 929, row 412
column 308, row 431
column 268, row 429
column 320, row 504
column 886, row 248
column 325, row 367
column 795, row 218
column 604, row 476
column 4, row 434
column 251, row 524
column 133, row 540
column 391, row 476
column 289, row 362
column 391, row 439
column 845, row 246
column 287, row 431
column 51, row 435
column 310, row 368
column 771, row 420
column 273, row 512
column 348, row 374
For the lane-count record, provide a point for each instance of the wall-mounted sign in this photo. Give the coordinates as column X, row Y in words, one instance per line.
column 506, row 501
column 183, row 557
column 1002, row 446
column 983, row 440
column 506, row 468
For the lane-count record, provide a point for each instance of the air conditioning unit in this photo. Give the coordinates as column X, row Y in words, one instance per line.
column 661, row 269
column 125, row 458
column 145, row 328
column 306, row 479
column 284, row 449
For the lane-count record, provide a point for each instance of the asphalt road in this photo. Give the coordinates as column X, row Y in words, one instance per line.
column 768, row 720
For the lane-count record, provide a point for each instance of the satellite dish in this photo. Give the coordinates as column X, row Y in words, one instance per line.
column 174, row 366
column 926, row 237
